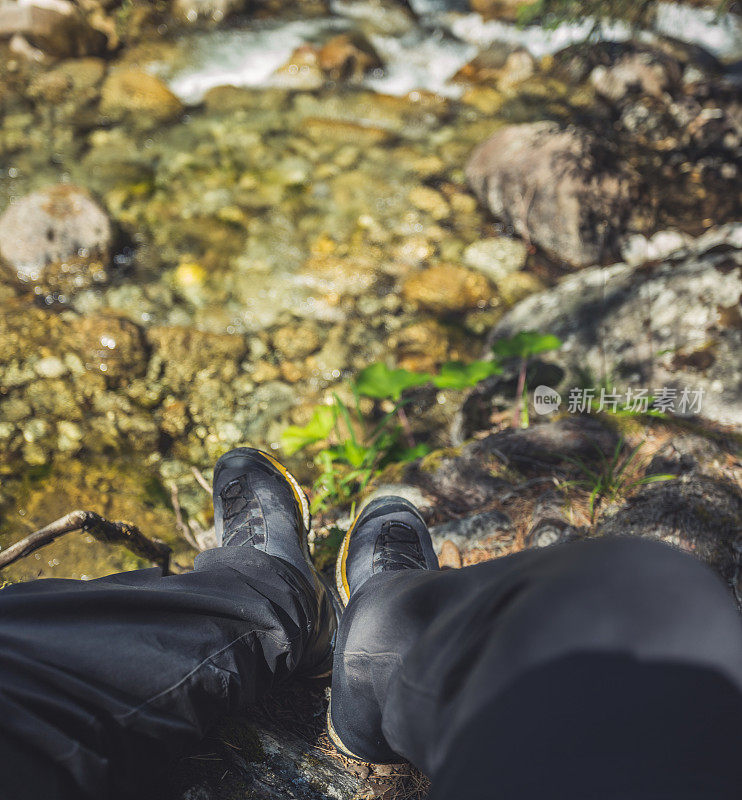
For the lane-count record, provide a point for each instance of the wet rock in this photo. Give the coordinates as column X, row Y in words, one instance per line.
column 296, row 341
column 421, row 346
column 56, row 27
column 188, row 355
column 485, row 68
column 301, row 72
column 109, row 345
column 559, row 188
column 447, row 288
column 519, row 66
column 139, row 97
column 348, row 56
column 192, row 12
column 496, row 257
column 322, row 129
column 470, row 531
column 338, row 275
column 58, row 239
column 637, row 72
column 431, row 201
column 516, row 286
column 674, row 324
column 75, row 79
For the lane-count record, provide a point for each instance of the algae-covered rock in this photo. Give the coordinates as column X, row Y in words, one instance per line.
column 58, row 239
column 111, row 345
column 187, row 352
column 447, row 288
column 140, row 97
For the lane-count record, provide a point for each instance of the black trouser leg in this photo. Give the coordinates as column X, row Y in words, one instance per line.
column 103, row 680
column 606, row 669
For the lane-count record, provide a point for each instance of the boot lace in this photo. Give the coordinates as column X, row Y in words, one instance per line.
column 398, row 547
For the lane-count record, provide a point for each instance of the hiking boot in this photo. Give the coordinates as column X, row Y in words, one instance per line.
column 258, row 503
column 388, row 535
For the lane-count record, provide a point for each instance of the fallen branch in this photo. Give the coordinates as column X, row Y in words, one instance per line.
column 101, row 529
column 197, row 474
column 180, row 523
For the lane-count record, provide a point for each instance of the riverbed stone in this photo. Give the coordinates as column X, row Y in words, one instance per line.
column 139, row 97
column 58, row 28
column 556, row 186
column 210, row 12
column 447, row 288
column 496, row 257
column 57, row 239
column 109, row 345
column 296, row 341
column 348, row 56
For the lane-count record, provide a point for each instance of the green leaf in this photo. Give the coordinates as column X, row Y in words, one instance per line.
column 412, row 453
column 382, row 383
column 319, row 427
column 460, row 375
column 526, row 344
column 355, row 454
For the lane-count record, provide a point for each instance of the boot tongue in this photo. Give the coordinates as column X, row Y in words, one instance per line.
column 398, row 547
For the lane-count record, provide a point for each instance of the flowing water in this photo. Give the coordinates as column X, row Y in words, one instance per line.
column 259, row 213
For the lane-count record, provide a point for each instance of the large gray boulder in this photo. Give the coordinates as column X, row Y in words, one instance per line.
column 58, row 239
column 673, row 323
column 558, row 188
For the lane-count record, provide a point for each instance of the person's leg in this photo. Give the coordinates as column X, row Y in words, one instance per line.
column 608, row 669
column 108, row 678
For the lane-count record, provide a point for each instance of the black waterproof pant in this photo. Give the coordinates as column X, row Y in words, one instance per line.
column 600, row 670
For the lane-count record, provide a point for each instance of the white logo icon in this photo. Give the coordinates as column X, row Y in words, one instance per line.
column 546, row 400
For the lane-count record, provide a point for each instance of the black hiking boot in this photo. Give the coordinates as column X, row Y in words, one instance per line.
column 388, row 534
column 258, row 503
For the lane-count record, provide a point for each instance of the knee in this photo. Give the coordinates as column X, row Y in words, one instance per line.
column 648, row 596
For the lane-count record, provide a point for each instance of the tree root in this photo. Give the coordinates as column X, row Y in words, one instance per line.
column 99, row 528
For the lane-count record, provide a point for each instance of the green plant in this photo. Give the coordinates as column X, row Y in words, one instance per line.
column 524, row 345
column 357, row 446
column 609, row 479
column 355, row 449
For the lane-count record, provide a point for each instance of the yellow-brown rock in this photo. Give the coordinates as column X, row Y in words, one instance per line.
column 447, row 288
column 136, row 94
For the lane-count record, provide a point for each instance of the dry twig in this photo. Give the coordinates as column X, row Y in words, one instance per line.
column 198, row 475
column 99, row 528
column 180, row 523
